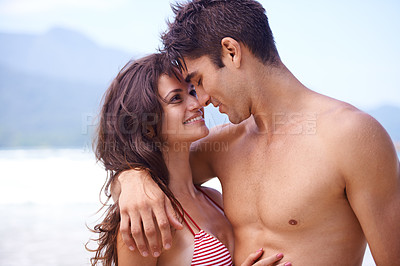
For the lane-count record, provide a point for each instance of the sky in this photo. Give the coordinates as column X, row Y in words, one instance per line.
column 348, row 50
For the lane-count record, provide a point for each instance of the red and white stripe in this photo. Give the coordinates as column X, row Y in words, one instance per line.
column 210, row 251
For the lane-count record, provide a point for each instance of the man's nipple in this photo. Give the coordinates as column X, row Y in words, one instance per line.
column 292, row 222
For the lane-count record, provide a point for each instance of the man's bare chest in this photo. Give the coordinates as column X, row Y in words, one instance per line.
column 287, row 185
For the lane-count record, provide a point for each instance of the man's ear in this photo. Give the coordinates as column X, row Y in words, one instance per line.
column 231, row 51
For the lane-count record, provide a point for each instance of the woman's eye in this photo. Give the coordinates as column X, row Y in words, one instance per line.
column 175, row 98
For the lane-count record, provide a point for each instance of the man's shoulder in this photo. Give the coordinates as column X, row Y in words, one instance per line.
column 354, row 141
column 345, row 129
column 342, row 119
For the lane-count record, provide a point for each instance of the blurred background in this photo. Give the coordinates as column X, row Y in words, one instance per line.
column 57, row 58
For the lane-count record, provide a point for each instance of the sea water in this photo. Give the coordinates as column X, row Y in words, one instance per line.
column 47, row 199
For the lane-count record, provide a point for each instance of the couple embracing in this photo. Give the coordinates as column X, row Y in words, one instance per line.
column 306, row 179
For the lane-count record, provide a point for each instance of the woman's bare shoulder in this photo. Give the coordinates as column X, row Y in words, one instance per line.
column 213, row 194
column 127, row 257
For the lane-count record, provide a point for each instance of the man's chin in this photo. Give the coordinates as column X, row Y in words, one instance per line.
column 236, row 119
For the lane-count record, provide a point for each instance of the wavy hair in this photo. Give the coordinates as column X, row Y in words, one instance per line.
column 129, row 137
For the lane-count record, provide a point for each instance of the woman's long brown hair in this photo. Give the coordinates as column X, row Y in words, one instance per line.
column 129, row 137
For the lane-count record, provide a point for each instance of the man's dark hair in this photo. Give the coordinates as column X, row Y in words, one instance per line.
column 200, row 25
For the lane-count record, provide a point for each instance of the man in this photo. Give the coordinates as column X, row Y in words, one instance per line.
column 304, row 174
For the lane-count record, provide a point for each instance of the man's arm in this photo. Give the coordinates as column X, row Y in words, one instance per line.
column 370, row 167
column 146, row 212
column 205, row 152
column 142, row 204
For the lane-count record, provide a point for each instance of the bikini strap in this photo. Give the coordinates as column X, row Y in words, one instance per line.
column 190, row 218
column 213, row 201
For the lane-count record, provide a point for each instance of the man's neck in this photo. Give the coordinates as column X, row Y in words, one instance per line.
column 276, row 92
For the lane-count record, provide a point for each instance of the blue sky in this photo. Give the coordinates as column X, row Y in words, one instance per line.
column 348, row 50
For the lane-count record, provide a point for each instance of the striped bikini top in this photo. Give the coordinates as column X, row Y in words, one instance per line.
column 208, row 250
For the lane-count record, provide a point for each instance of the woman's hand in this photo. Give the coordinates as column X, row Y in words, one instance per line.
column 252, row 258
column 146, row 213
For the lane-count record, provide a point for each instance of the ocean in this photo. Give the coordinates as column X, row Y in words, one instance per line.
column 47, row 199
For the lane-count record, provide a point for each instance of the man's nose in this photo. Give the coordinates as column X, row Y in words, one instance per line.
column 194, row 104
column 203, row 97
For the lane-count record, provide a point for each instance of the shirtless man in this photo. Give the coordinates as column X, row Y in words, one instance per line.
column 304, row 174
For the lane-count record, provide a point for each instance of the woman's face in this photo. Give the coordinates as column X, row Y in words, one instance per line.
column 183, row 119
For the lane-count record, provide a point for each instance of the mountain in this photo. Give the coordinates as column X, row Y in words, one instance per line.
column 44, row 111
column 51, row 86
column 61, row 53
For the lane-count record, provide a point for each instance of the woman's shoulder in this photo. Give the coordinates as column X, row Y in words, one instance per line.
column 127, row 257
column 214, row 194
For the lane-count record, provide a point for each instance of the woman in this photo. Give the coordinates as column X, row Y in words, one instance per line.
column 148, row 120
